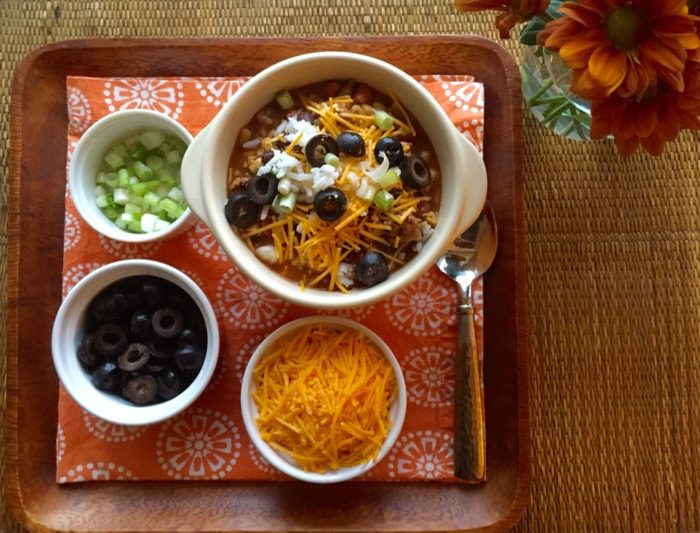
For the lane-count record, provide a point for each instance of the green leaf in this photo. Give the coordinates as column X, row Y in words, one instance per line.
column 528, row 35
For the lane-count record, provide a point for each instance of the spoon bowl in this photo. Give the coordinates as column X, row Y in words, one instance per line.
column 472, row 254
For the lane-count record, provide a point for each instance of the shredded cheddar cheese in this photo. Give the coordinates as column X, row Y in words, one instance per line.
column 323, row 395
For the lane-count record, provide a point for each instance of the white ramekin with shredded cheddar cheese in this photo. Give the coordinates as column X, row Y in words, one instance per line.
column 323, row 399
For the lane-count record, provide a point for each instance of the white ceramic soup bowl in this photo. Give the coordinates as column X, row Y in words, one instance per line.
column 249, row 410
column 88, row 157
column 69, row 326
column 204, row 169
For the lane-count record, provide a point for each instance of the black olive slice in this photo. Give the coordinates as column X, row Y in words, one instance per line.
column 140, row 325
column 317, row 147
column 141, row 389
column 106, row 376
column 133, row 300
column 167, row 322
column 134, row 357
column 414, row 172
column 151, row 292
column 240, row 210
column 262, row 189
column 392, row 148
column 189, row 358
column 162, row 348
column 87, row 354
column 192, row 336
column 351, row 143
column 108, row 307
column 371, row 269
column 169, row 384
column 110, row 339
column 330, row 204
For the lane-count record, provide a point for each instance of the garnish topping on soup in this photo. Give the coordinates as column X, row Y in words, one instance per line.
column 334, row 185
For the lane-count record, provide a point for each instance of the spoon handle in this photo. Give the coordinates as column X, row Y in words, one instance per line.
column 469, row 438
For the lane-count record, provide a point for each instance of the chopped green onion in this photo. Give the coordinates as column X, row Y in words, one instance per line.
column 164, row 148
column 175, row 214
column 137, row 151
column 331, row 159
column 176, row 194
column 383, row 120
column 140, row 176
column 383, row 200
column 284, row 187
column 131, row 141
column 155, row 162
column 123, row 177
column 284, row 204
column 178, row 144
column 111, row 180
column 121, row 151
column 121, row 196
column 134, row 226
column 285, row 100
column 173, row 157
column 151, row 139
column 114, row 160
column 151, row 199
column 110, row 212
column 139, row 189
column 132, row 209
column 142, row 170
column 390, row 179
column 102, row 201
column 168, row 205
column 167, row 177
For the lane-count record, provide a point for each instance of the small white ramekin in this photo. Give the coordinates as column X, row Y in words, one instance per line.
column 87, row 159
column 69, row 326
column 288, row 466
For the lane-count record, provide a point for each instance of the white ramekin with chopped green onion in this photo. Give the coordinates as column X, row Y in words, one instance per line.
column 124, row 176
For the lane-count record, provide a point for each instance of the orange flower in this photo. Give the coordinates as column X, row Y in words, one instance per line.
column 623, row 45
column 652, row 120
column 514, row 11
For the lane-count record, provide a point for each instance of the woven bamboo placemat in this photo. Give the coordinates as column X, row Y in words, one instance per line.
column 613, row 267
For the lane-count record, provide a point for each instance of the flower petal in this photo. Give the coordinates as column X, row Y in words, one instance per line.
column 577, row 51
column 582, row 14
column 608, row 67
column 665, row 53
column 560, row 31
column 628, row 146
column 654, row 144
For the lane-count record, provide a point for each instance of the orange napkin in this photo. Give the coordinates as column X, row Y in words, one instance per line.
column 208, row 440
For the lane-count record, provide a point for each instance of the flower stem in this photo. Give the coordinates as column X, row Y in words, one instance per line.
column 555, row 112
column 545, row 87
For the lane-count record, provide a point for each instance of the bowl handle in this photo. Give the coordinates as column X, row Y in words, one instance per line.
column 474, row 182
column 191, row 174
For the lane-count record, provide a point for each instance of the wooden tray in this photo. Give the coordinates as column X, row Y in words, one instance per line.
column 35, row 226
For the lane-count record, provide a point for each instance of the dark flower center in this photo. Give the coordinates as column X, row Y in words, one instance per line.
column 623, row 27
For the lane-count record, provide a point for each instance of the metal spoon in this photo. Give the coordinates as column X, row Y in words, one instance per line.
column 472, row 254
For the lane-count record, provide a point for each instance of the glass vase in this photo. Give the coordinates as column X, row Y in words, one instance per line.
column 546, row 80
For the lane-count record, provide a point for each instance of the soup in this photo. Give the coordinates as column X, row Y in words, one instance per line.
column 334, row 185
